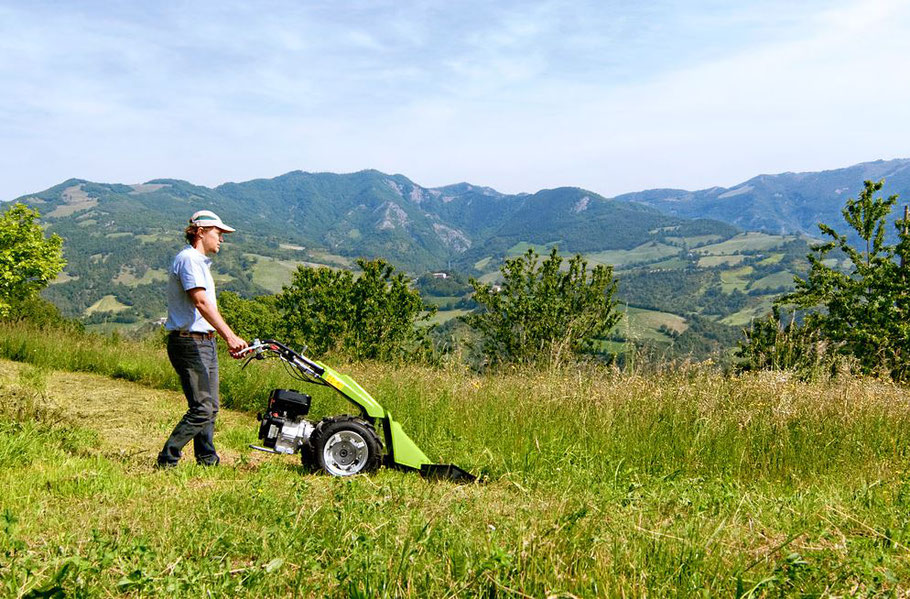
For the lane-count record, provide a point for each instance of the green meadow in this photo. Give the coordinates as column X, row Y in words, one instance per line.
column 594, row 483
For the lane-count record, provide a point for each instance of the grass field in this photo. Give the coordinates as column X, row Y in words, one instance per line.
column 735, row 279
column 329, row 259
column 772, row 259
column 107, row 328
column 74, row 200
column 693, row 241
column 638, row 323
column 522, row 247
column 108, row 303
column 752, row 312
column 63, row 277
column 775, row 280
column 670, row 264
column 596, row 483
column 712, row 261
column 745, row 242
column 128, row 277
column 491, row 277
column 272, row 273
column 647, row 252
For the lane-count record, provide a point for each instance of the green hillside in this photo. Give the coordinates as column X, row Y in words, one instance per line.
column 120, row 239
column 716, row 284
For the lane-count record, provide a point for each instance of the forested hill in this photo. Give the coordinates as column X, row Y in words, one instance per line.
column 119, row 238
column 367, row 214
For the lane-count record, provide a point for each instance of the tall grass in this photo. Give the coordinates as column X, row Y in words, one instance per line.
column 598, row 483
column 142, row 360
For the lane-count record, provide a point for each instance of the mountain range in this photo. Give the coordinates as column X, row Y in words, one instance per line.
column 694, row 256
column 783, row 203
column 361, row 214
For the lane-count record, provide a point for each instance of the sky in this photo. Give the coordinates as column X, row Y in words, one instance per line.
column 611, row 96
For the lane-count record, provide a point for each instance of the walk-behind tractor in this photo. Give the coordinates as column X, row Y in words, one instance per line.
column 339, row 445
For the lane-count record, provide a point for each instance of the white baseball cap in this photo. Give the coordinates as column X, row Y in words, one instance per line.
column 207, row 218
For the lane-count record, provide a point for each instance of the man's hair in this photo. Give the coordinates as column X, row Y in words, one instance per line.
column 191, row 233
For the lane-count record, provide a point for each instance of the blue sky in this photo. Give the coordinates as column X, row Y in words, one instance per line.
column 519, row 96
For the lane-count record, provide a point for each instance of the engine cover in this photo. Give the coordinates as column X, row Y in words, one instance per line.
column 289, row 403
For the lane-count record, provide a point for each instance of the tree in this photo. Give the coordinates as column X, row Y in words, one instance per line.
column 373, row 316
column 863, row 311
column 28, row 259
column 775, row 343
column 249, row 318
column 542, row 314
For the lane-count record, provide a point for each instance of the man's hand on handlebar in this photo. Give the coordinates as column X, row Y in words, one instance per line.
column 254, row 349
column 236, row 346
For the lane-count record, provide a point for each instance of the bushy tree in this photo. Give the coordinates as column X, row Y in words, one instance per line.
column 861, row 312
column 372, row 316
column 28, row 259
column 779, row 343
column 542, row 314
column 39, row 312
column 251, row 318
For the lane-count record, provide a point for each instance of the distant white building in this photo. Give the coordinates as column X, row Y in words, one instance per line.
column 440, row 275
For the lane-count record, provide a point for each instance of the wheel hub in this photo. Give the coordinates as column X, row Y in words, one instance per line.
column 345, row 453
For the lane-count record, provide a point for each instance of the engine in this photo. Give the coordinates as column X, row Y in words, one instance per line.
column 283, row 428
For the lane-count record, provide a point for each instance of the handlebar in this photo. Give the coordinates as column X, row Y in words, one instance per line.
column 305, row 365
column 257, row 346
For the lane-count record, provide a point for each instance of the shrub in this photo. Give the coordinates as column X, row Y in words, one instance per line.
column 542, row 314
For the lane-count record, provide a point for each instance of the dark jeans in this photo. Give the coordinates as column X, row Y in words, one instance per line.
column 196, row 364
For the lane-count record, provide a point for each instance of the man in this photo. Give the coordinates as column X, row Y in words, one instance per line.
column 192, row 316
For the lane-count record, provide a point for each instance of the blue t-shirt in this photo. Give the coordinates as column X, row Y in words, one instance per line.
column 189, row 270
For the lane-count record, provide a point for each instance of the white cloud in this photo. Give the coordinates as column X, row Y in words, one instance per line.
column 519, row 96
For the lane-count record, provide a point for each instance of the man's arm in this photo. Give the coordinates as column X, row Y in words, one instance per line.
column 210, row 312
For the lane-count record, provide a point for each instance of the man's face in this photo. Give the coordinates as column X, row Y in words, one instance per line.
column 211, row 240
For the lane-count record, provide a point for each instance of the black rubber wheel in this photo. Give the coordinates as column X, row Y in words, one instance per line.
column 345, row 446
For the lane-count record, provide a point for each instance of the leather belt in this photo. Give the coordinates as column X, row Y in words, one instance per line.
column 193, row 334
